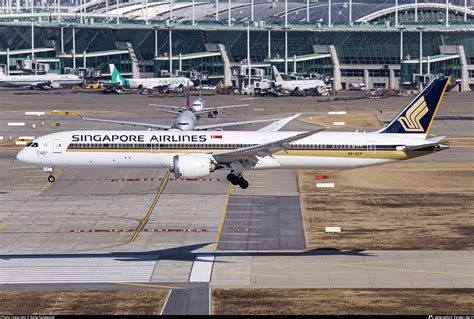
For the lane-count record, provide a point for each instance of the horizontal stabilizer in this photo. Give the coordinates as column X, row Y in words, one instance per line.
column 434, row 142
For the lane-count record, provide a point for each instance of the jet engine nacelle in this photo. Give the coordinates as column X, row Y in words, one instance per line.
column 55, row 85
column 192, row 165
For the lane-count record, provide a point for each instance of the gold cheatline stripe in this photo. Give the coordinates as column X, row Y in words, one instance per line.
column 439, row 102
column 379, row 154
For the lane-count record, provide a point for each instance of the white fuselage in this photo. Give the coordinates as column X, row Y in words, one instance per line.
column 152, row 149
column 40, row 80
column 159, row 82
column 185, row 121
column 300, row 85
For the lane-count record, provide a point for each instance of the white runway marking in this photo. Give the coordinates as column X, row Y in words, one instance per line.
column 202, row 268
column 77, row 269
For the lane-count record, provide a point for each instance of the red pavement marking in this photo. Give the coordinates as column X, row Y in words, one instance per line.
column 320, row 177
column 159, row 179
column 131, row 230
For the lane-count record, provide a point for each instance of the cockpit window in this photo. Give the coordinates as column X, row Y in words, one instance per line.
column 34, row 144
column 29, row 144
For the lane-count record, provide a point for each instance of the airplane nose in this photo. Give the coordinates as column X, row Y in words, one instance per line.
column 20, row 156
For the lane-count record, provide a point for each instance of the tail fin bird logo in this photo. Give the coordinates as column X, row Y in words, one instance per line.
column 411, row 120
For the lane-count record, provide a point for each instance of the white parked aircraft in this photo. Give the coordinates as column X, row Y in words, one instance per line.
column 198, row 107
column 297, row 86
column 42, row 81
column 198, row 154
column 187, row 118
column 148, row 83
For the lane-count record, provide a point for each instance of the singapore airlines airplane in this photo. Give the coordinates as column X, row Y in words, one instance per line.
column 198, row 154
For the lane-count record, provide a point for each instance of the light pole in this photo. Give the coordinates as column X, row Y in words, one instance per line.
column 286, row 36
column 421, row 49
column 230, row 14
column 73, row 48
column 350, row 11
column 249, row 67
column 329, row 13
column 465, row 10
column 146, row 11
column 251, row 11
column 396, row 13
column 62, row 40
column 171, row 50
column 171, row 10
column 286, row 50
column 118, row 2
column 401, row 44
column 269, row 43
column 307, row 10
column 156, row 42
column 416, row 10
column 447, row 13
column 33, row 47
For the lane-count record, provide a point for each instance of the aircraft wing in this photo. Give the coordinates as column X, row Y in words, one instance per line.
column 149, row 125
column 169, row 111
column 217, row 108
column 261, row 150
column 207, row 127
column 278, row 125
column 168, row 106
column 433, row 142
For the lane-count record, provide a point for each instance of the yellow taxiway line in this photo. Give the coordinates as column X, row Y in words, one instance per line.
column 146, row 285
column 2, row 225
column 150, row 210
column 58, row 173
column 224, row 213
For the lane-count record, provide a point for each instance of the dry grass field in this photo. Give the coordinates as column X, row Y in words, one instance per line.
column 354, row 120
column 397, row 206
column 119, row 302
column 341, row 301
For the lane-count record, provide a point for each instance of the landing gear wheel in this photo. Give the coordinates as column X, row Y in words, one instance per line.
column 51, row 178
column 243, row 183
column 234, row 180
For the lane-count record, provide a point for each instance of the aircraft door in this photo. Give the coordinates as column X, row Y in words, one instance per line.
column 57, row 146
column 371, row 148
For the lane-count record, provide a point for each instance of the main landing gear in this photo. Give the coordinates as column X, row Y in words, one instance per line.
column 238, row 180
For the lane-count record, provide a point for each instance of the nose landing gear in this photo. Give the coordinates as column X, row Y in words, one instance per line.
column 51, row 177
column 238, row 180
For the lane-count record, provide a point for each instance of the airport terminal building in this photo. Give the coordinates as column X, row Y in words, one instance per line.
column 381, row 43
